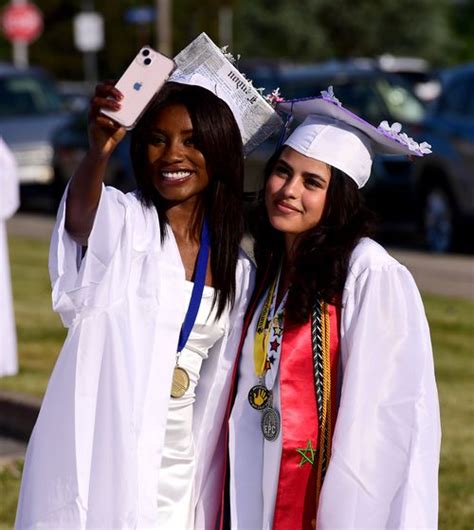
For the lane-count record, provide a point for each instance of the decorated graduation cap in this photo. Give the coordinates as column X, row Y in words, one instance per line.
column 334, row 135
column 203, row 64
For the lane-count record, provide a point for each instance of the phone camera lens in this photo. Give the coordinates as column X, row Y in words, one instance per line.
column 146, row 52
column 147, row 61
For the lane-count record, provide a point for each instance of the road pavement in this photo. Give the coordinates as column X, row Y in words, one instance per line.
column 449, row 275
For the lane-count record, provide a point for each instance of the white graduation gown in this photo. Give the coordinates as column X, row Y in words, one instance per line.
column 9, row 203
column 383, row 471
column 93, row 456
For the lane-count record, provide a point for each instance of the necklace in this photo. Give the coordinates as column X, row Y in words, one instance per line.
column 267, row 350
column 180, row 382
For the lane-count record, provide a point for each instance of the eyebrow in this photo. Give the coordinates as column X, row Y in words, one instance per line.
column 306, row 174
column 162, row 131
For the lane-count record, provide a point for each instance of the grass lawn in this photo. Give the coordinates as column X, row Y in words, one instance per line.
column 40, row 336
column 39, row 330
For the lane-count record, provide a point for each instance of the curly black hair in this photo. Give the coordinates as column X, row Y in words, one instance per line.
column 320, row 265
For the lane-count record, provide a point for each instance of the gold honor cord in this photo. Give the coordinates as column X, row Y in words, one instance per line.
column 262, row 334
column 325, row 426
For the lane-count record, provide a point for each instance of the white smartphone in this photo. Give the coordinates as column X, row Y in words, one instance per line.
column 143, row 78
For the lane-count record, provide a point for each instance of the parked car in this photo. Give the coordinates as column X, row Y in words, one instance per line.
column 370, row 92
column 75, row 95
column 445, row 180
column 416, row 71
column 30, row 110
column 70, row 143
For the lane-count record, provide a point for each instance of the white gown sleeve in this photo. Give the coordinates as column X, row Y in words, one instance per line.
column 9, row 202
column 9, row 183
column 383, row 471
column 80, row 281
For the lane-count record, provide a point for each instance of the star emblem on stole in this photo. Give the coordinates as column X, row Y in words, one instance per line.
column 278, row 330
column 305, row 457
column 274, row 345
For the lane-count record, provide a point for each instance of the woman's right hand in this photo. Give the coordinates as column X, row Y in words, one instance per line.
column 104, row 133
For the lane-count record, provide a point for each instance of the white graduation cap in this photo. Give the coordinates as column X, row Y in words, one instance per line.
column 334, row 135
column 203, row 64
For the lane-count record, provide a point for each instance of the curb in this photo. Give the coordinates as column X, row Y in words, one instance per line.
column 18, row 413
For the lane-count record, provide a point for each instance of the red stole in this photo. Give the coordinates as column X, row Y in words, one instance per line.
column 295, row 505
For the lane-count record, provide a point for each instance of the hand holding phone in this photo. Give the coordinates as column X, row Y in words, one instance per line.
column 143, row 78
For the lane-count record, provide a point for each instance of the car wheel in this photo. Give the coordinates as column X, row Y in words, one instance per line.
column 438, row 220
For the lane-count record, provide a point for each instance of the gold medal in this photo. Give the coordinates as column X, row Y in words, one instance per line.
column 259, row 396
column 180, row 382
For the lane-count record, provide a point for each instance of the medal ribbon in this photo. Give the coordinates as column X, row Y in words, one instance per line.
column 264, row 327
column 262, row 334
column 198, row 287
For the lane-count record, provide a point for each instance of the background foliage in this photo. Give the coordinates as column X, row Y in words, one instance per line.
column 441, row 31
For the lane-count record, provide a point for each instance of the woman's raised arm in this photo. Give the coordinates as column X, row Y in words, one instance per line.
column 86, row 183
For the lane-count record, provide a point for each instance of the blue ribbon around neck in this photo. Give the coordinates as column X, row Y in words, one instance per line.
column 199, row 281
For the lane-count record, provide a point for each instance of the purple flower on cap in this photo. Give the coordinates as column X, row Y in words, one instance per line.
column 394, row 131
column 328, row 95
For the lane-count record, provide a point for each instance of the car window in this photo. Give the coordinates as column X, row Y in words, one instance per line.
column 20, row 95
column 402, row 105
column 371, row 96
column 360, row 97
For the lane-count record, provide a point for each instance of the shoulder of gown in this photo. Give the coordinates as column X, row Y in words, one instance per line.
column 368, row 254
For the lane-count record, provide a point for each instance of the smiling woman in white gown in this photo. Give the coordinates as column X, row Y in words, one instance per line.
column 111, row 448
column 336, row 420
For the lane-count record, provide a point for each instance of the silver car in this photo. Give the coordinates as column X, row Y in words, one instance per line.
column 30, row 110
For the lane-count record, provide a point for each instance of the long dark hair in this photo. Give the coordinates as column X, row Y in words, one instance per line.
column 217, row 136
column 321, row 262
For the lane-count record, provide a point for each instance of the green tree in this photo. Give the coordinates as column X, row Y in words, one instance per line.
column 308, row 30
column 55, row 50
column 325, row 29
column 462, row 20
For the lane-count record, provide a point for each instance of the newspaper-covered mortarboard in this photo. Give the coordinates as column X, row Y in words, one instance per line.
column 203, row 64
column 334, row 135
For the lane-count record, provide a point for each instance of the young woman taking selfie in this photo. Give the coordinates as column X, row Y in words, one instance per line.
column 153, row 288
